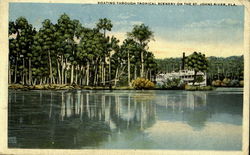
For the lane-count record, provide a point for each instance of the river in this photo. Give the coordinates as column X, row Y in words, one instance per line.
column 125, row 119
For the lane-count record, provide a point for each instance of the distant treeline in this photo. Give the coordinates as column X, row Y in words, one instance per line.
column 66, row 52
column 219, row 68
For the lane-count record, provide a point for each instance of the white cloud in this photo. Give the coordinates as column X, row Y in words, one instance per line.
column 90, row 25
column 136, row 22
column 223, row 23
column 124, row 25
column 126, row 15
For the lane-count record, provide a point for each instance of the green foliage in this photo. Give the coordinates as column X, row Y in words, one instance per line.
column 104, row 24
column 199, row 79
column 242, row 83
column 91, row 45
column 231, row 67
column 65, row 52
column 225, row 82
column 141, row 33
column 198, row 88
column 216, row 83
column 168, row 64
column 234, row 83
column 174, row 83
column 21, row 40
column 218, row 68
column 197, row 62
column 142, row 83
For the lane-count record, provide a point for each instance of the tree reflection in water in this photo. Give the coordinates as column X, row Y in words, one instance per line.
column 88, row 119
column 74, row 119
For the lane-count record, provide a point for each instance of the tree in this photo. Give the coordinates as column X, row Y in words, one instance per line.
column 151, row 65
column 105, row 25
column 197, row 62
column 89, row 50
column 45, row 43
column 115, row 47
column 142, row 34
column 40, row 61
column 21, row 38
column 129, row 47
column 68, row 53
column 67, row 31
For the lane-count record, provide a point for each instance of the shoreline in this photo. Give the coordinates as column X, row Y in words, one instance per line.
column 77, row 87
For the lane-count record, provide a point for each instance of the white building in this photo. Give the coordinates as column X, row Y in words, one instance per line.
column 187, row 76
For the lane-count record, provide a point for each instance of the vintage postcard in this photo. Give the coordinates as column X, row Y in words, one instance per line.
column 124, row 77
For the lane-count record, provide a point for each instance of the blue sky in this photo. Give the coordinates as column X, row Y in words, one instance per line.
column 213, row 30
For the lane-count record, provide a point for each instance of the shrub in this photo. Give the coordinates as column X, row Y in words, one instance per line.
column 142, row 83
column 225, row 82
column 242, row 83
column 191, row 88
column 216, row 83
column 234, row 83
column 199, row 79
column 174, row 83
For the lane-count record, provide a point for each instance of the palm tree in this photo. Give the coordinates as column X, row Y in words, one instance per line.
column 115, row 47
column 129, row 47
column 142, row 34
column 105, row 25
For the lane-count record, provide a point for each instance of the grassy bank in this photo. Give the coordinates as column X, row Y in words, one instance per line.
column 63, row 87
column 73, row 87
column 198, row 88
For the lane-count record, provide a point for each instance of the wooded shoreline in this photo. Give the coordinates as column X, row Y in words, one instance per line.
column 77, row 87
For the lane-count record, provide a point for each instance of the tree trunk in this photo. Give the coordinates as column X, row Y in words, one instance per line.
column 95, row 74
column 26, row 76
column 44, row 81
column 76, row 74
column 23, row 72
column 150, row 75
column 87, row 74
column 146, row 75
column 41, row 81
column 83, row 76
column 34, row 82
column 65, row 76
column 104, row 57
column 72, row 75
column 30, row 72
column 129, row 70
column 102, row 73
column 50, row 69
column 62, row 63
column 135, row 74
column 116, row 74
column 15, row 76
column 110, row 83
column 59, row 72
column 142, row 64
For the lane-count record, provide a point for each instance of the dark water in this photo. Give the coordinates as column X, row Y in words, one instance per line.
column 125, row 120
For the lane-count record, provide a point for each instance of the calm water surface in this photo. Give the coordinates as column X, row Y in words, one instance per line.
column 125, row 119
